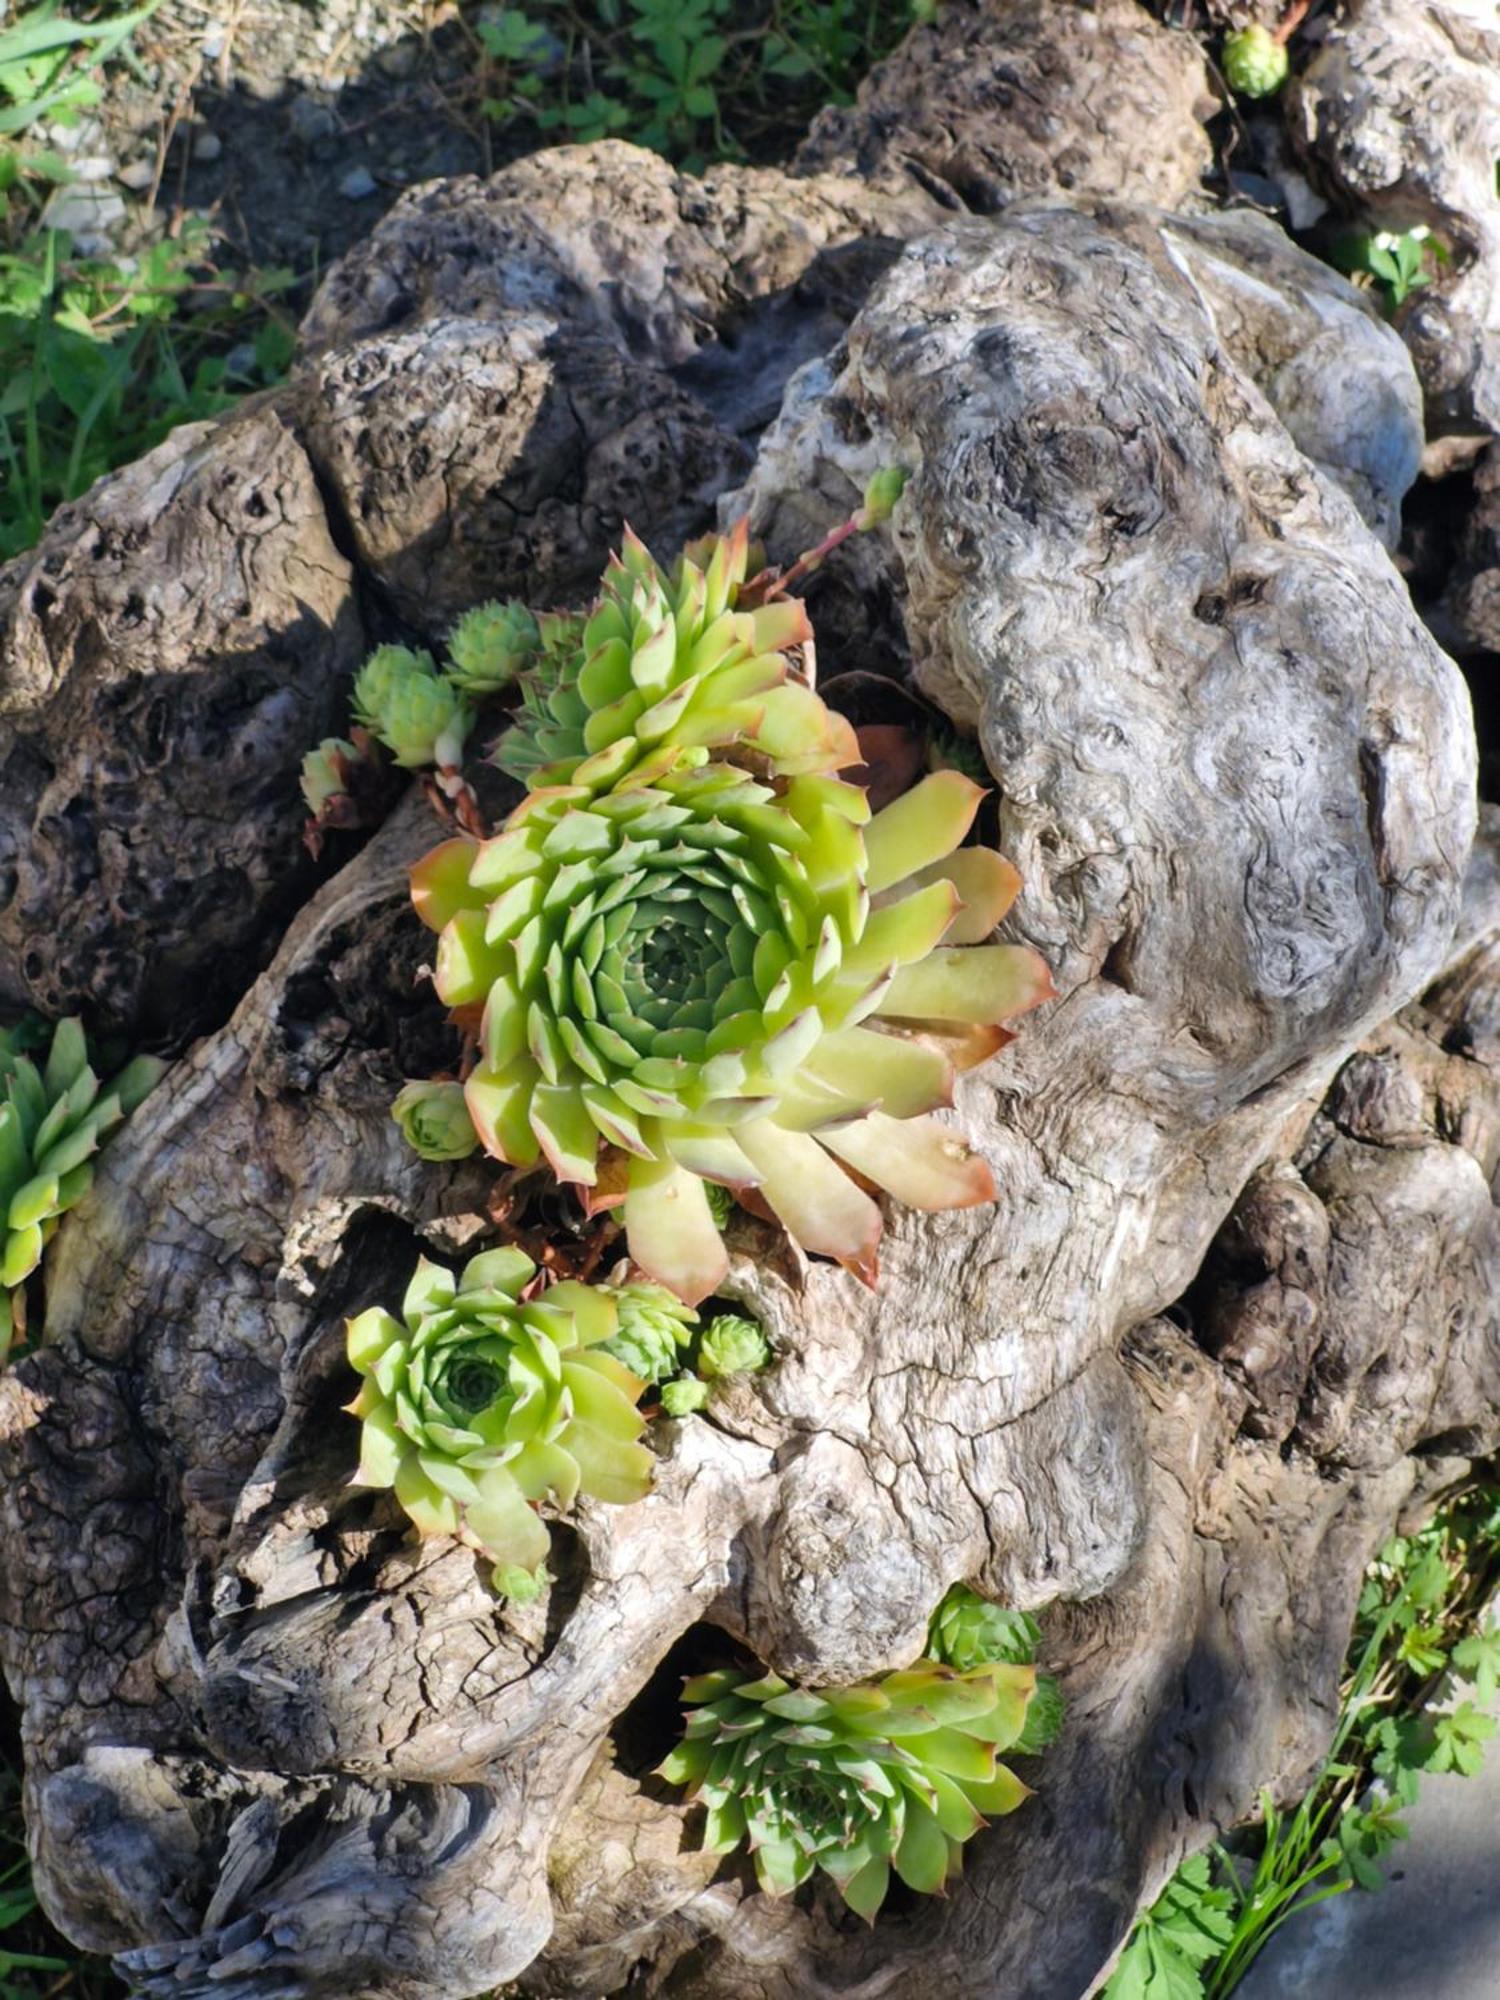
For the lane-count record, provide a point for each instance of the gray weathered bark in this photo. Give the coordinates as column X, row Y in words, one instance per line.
column 1233, row 1311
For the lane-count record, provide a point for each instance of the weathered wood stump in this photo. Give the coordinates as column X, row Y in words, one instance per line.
column 1235, row 1308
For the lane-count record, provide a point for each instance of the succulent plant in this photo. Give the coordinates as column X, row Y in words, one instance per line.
column 325, row 773
column 1255, row 63
column 732, row 1345
column 666, row 666
column 489, row 646
column 435, row 1120
column 682, row 1397
column 52, row 1121
column 894, row 1774
column 655, row 1326
column 682, row 971
column 969, row 1631
column 401, row 698
column 477, row 1406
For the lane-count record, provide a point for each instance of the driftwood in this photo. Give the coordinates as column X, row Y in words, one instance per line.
column 1232, row 1313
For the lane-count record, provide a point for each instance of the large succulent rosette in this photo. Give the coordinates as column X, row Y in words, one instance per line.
column 891, row 1775
column 666, row 663
column 478, row 1406
column 716, row 979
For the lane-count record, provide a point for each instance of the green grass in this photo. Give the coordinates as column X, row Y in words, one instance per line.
column 1418, row 1626
column 697, row 80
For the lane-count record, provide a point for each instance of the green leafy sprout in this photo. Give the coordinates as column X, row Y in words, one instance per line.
column 1412, row 1637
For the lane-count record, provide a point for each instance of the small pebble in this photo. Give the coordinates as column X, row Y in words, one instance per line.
column 137, row 175
column 311, row 121
column 358, row 184
column 87, row 213
column 207, row 145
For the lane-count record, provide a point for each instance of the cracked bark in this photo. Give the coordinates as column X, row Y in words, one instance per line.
column 1235, row 1307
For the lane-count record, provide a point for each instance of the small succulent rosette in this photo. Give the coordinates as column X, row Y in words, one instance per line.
column 406, row 704
column 890, row 1776
column 668, row 664
column 479, row 1406
column 715, row 979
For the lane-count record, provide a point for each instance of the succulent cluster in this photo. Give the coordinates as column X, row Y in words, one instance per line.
column 970, row 1631
column 406, row 704
column 890, row 1775
column 53, row 1119
column 479, row 1404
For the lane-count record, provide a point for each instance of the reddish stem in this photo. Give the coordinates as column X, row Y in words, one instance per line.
column 1292, row 23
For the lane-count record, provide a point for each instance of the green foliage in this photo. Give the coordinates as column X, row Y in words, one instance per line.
column 53, row 1119
column 1187, row 1927
column 478, row 1406
column 48, row 59
column 694, row 79
column 100, row 357
column 858, row 1782
column 1218, row 1912
column 1398, row 263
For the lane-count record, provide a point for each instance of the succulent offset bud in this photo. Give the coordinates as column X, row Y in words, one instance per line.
column 884, row 490
column 477, row 1406
column 521, row 1586
column 404, row 702
column 894, row 1774
column 435, row 1120
column 732, row 1345
column 1044, row 1717
column 655, row 1326
column 1255, row 63
column 52, row 1121
column 490, row 645
column 969, row 1631
column 325, row 773
column 682, row 1397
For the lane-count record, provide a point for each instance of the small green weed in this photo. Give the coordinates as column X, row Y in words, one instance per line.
column 1416, row 1622
column 694, row 79
column 101, row 357
column 1398, row 264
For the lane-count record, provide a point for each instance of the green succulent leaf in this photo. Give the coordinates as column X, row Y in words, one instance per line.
column 478, row 1406
column 1255, row 63
column 655, row 1327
